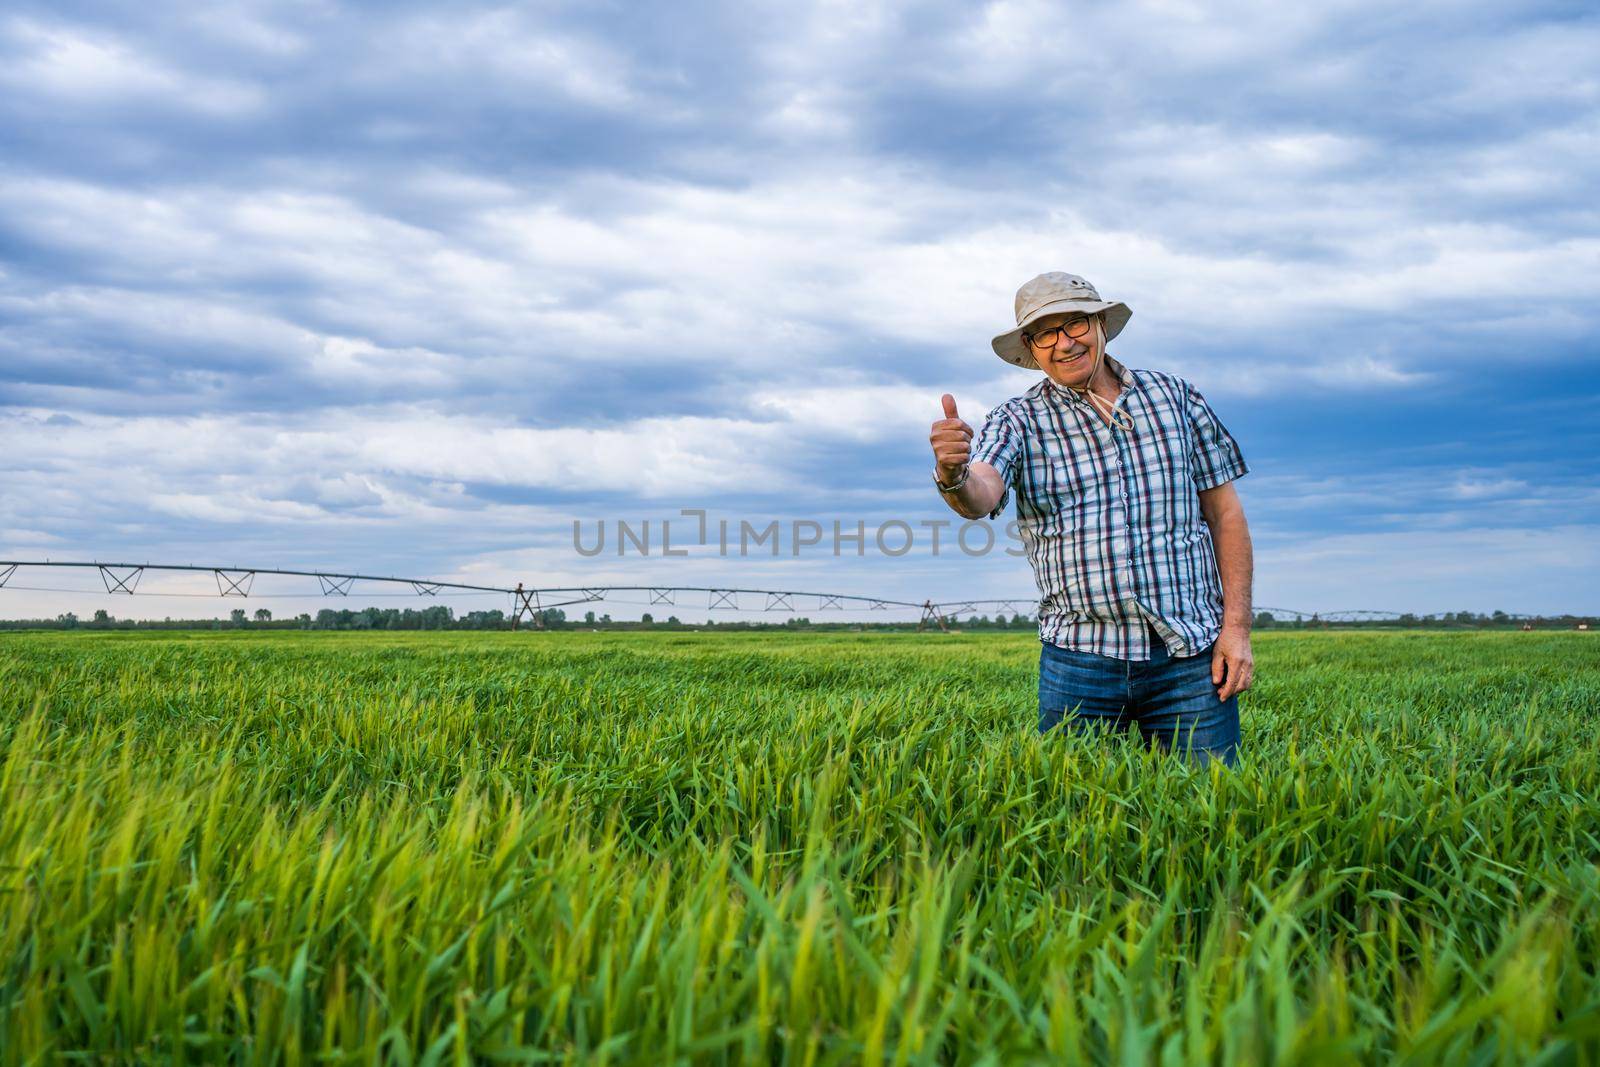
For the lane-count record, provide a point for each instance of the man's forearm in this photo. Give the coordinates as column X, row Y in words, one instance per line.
column 979, row 495
column 1235, row 566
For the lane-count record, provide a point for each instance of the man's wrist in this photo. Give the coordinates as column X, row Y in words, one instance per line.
column 950, row 487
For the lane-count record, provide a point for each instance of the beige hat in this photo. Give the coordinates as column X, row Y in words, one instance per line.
column 1052, row 293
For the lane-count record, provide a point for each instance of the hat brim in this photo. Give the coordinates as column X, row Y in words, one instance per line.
column 1013, row 349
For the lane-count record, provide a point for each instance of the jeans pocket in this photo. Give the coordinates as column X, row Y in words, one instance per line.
column 1066, row 673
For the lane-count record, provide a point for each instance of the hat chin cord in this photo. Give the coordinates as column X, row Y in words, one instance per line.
column 1113, row 415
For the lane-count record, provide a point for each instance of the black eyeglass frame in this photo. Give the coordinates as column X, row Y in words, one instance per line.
column 1086, row 320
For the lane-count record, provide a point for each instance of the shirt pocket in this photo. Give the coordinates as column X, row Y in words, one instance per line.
column 1068, row 483
column 1166, row 465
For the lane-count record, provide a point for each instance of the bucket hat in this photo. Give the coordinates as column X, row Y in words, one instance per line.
column 1053, row 293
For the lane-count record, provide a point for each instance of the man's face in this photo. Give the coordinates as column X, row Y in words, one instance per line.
column 1069, row 360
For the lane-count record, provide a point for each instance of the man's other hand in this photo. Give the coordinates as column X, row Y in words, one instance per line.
column 1232, row 665
column 952, row 442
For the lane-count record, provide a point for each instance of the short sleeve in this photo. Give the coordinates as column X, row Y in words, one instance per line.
column 1217, row 458
column 999, row 444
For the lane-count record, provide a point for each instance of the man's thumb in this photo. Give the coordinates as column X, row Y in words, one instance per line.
column 949, row 406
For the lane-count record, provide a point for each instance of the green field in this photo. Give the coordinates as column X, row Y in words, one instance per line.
column 797, row 849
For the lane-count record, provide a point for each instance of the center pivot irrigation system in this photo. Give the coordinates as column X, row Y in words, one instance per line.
column 528, row 603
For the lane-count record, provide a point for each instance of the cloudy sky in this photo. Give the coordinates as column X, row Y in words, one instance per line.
column 410, row 289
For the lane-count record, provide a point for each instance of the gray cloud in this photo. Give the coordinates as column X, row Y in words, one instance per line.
column 345, row 267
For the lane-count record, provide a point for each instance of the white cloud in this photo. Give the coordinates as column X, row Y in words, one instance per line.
column 1469, row 488
column 1364, row 371
column 350, row 360
column 855, row 412
column 1520, row 570
column 504, row 48
column 18, row 535
column 649, row 456
column 807, row 265
column 129, row 460
column 238, row 26
column 230, row 507
column 77, row 66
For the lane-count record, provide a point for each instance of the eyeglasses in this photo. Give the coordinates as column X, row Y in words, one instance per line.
column 1046, row 338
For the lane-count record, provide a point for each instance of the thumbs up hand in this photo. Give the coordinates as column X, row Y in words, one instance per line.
column 952, row 442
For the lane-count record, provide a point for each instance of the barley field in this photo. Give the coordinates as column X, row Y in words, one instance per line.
column 787, row 849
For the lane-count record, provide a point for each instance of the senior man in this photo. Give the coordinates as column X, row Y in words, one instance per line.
column 1138, row 542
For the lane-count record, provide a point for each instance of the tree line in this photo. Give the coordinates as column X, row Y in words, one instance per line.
column 1449, row 620
column 442, row 617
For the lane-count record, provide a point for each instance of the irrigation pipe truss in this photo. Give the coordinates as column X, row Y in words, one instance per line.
column 527, row 603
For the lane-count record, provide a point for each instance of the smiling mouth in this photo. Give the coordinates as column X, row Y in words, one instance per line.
column 1070, row 359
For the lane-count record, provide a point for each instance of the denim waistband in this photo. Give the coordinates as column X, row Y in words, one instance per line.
column 1159, row 653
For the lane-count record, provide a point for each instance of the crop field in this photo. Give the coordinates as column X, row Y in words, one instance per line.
column 787, row 849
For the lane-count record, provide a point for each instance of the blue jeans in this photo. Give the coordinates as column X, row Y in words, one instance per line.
column 1171, row 700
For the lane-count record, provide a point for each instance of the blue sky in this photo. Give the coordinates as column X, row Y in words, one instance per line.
column 409, row 289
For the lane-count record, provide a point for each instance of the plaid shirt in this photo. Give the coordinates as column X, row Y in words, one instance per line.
column 1111, row 519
